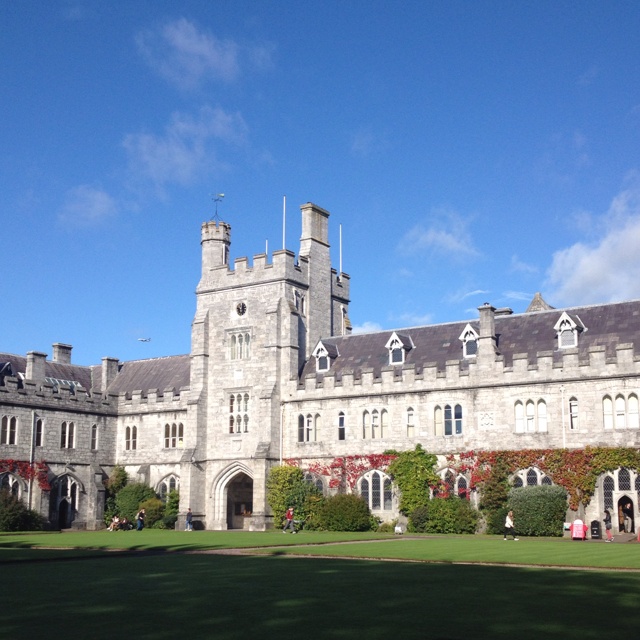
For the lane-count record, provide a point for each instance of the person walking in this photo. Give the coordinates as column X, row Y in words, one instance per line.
column 509, row 527
column 189, row 521
column 140, row 520
column 608, row 525
column 289, row 518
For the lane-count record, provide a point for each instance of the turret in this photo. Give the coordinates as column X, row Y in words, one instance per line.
column 215, row 241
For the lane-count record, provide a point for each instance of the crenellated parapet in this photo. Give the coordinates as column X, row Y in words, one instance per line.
column 154, row 400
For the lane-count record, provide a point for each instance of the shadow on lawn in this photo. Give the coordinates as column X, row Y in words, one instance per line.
column 228, row 598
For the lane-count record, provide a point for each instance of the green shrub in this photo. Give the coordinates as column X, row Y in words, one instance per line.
column 539, row 511
column 444, row 515
column 387, row 527
column 113, row 484
column 495, row 520
column 281, row 484
column 15, row 516
column 129, row 499
column 413, row 473
column 345, row 512
column 153, row 511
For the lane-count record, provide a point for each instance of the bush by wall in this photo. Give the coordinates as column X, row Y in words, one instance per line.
column 413, row 473
column 449, row 515
column 345, row 512
column 281, row 484
column 538, row 511
column 15, row 516
column 129, row 499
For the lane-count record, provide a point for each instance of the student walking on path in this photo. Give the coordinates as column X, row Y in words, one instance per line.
column 608, row 525
column 289, row 518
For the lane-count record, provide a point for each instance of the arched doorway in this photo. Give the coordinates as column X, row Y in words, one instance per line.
column 626, row 515
column 239, row 501
column 64, row 504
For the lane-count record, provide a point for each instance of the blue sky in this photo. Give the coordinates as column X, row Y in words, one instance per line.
column 472, row 152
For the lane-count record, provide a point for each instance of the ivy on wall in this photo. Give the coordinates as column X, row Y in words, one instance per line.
column 576, row 470
column 38, row 471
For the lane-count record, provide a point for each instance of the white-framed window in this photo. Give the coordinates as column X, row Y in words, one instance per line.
column 67, row 435
column 376, row 490
column 530, row 416
column 9, row 430
column 469, row 339
column 323, row 358
column 39, row 433
column 455, row 485
column 573, row 414
column 239, row 412
column 342, row 434
column 567, row 330
column 308, row 427
column 398, row 346
column 621, row 412
column 240, row 345
column 173, row 435
column 375, row 424
column 411, row 427
column 131, row 438
column 452, row 419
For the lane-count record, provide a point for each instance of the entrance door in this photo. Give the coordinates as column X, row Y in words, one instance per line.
column 626, row 515
column 239, row 501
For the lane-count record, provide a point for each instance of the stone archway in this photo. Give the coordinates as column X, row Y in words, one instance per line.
column 232, row 498
column 626, row 515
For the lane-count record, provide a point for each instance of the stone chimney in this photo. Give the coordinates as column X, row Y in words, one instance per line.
column 109, row 372
column 487, row 341
column 35, row 365
column 62, row 353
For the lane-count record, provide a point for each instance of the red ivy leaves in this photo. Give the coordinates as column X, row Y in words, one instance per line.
column 346, row 470
column 38, row 471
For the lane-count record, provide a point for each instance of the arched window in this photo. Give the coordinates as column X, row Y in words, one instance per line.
column 462, row 488
column 231, row 423
column 341, row 426
column 127, row 438
column 366, row 425
column 448, row 420
column 314, row 481
column 8, row 430
column 384, row 422
column 542, row 416
column 300, row 428
column 376, row 490
column 632, row 411
column 607, row 412
column 624, row 480
column 410, row 424
column 458, row 419
column 10, row 483
column 573, row 414
column 39, row 435
column 450, row 483
column 375, row 424
column 438, row 422
column 167, row 485
column 620, row 413
column 94, row 437
column 519, row 414
column 67, row 435
column 532, row 478
column 530, row 416
column 607, row 491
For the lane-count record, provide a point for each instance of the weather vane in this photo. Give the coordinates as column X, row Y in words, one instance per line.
column 217, row 197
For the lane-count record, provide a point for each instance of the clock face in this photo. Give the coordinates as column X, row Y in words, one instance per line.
column 241, row 308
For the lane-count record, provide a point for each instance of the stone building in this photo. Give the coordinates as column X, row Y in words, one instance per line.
column 275, row 374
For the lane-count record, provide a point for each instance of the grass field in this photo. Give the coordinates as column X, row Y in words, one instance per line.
column 167, row 585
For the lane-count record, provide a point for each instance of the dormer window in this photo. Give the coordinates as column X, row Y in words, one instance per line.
column 469, row 339
column 567, row 330
column 398, row 345
column 324, row 354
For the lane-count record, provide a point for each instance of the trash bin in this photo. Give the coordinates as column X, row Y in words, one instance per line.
column 595, row 530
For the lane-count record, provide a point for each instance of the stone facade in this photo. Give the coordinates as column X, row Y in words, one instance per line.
column 274, row 374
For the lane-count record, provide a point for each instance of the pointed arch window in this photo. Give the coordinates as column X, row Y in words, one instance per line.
column 173, row 435
column 607, row 492
column 438, row 421
column 366, row 425
column 567, row 330
column 469, row 339
column 9, row 430
column 410, row 423
column 620, row 412
column 94, row 437
column 607, row 412
column 573, row 414
column 376, row 490
column 341, row 426
column 398, row 345
column 67, row 435
column 39, row 434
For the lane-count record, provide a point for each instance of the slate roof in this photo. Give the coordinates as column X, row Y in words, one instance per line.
column 606, row 325
column 57, row 370
column 155, row 373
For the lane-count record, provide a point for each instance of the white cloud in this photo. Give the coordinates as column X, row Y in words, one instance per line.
column 366, row 327
column 522, row 267
column 447, row 234
column 186, row 151
column 415, row 320
column 607, row 270
column 86, row 206
column 518, row 295
column 187, row 56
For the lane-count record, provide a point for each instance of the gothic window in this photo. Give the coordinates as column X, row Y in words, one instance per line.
column 67, row 435
column 452, row 420
column 366, row 425
column 410, row 423
column 238, row 412
column 397, row 347
column 10, row 483
column 300, row 428
column 314, row 481
column 532, row 478
column 517, row 482
column 8, row 430
column 624, row 480
column 546, row 480
column 632, row 411
column 375, row 424
column 567, row 331
column 462, row 488
column 94, row 437
column 384, row 423
column 173, row 435
column 620, row 412
column 637, row 486
column 519, row 413
column 438, row 421
column 607, row 412
column 607, row 491
column 542, row 416
column 240, row 346
column 39, row 434
column 131, row 438
column 530, row 417
column 167, row 485
column 573, row 414
column 449, row 482
column 376, row 491
column 307, row 427
column 341, row 426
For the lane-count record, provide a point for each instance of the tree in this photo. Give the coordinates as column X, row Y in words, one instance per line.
column 413, row 472
column 14, row 515
column 113, row 484
column 130, row 498
column 281, row 487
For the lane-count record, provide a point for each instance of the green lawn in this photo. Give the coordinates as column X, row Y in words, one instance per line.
column 55, row 592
